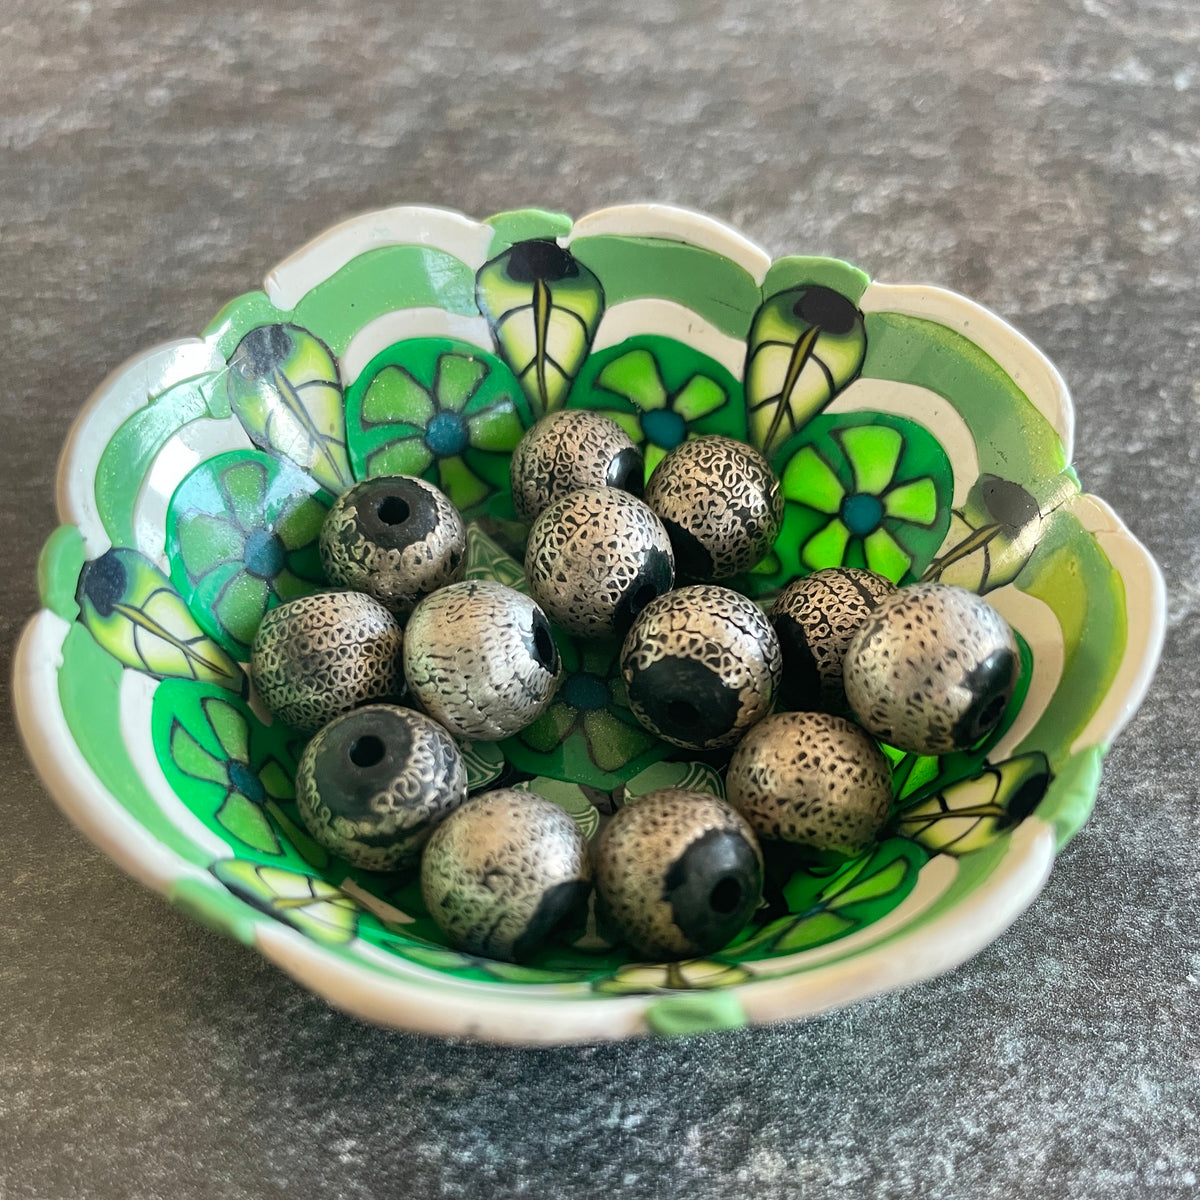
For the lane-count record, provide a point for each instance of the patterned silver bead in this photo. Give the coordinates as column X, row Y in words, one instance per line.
column 320, row 655
column 932, row 669
column 679, row 873
column 395, row 537
column 721, row 504
column 480, row 658
column 568, row 450
column 816, row 617
column 503, row 871
column 812, row 779
column 374, row 782
column 701, row 665
column 595, row 559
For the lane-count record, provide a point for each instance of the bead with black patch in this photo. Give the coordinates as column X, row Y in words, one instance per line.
column 318, row 656
column 811, row 779
column 374, row 783
column 679, row 873
column 701, row 665
column 567, row 450
column 480, row 658
column 595, row 559
column 932, row 669
column 395, row 537
column 721, row 504
column 504, row 873
column 815, row 618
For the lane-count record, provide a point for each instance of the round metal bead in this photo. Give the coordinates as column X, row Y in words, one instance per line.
column 701, row 665
column 374, row 782
column 721, row 504
column 816, row 617
column 595, row 559
column 395, row 537
column 932, row 669
column 567, row 450
column 505, row 870
column 480, row 658
column 811, row 779
column 320, row 655
column 679, row 873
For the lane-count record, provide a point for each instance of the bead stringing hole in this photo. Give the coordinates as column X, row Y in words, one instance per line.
column 393, row 511
column 726, row 895
column 366, row 751
column 682, row 712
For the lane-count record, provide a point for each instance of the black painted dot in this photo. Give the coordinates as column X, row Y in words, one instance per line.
column 1007, row 502
column 824, row 307
column 540, row 259
column 261, row 351
column 103, row 582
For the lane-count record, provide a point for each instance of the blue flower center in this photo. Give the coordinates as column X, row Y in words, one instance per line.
column 663, row 428
column 244, row 780
column 862, row 513
column 446, row 434
column 586, row 692
column 264, row 554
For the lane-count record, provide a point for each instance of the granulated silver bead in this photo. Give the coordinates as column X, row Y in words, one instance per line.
column 373, row 784
column 320, row 655
column 568, row 450
column 480, row 658
column 503, row 871
column 395, row 537
column 816, row 617
column 721, row 504
column 595, row 559
column 811, row 779
column 679, row 873
column 932, row 669
column 701, row 665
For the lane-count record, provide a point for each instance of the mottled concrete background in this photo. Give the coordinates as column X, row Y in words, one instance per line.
column 1042, row 156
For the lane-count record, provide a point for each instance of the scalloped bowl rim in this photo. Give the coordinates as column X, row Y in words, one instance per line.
column 517, row 1014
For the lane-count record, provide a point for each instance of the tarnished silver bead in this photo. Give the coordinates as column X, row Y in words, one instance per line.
column 932, row 669
column 811, row 779
column 721, row 505
column 701, row 665
column 567, row 450
column 503, row 871
column 679, row 873
column 320, row 655
column 480, row 658
column 595, row 559
column 373, row 783
column 395, row 537
column 816, row 617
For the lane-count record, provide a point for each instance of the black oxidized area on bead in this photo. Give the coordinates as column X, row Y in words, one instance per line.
column 991, row 683
column 713, row 888
column 685, row 700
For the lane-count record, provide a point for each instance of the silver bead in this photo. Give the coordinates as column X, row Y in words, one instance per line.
column 320, row 655
column 679, row 873
column 374, row 782
column 480, row 658
column 701, row 665
column 721, row 504
column 567, row 450
column 811, row 779
column 595, row 559
column 395, row 537
column 932, row 670
column 816, row 617
column 503, row 871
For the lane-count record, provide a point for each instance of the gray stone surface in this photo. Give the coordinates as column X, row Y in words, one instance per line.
column 1039, row 155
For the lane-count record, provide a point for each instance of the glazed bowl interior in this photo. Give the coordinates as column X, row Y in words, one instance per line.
column 913, row 432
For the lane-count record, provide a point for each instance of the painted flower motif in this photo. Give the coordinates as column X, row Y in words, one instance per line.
column 242, row 534
column 243, row 770
column 588, row 734
column 306, row 902
column 444, row 410
column 870, row 494
column 660, row 392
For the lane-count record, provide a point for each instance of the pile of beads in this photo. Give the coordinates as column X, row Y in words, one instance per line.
column 388, row 673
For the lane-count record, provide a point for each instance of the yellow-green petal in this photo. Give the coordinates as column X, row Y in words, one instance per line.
column 230, row 727
column 636, row 377
column 885, row 556
column 914, row 501
column 809, row 480
column 699, row 397
column 192, row 759
column 460, row 483
column 873, row 451
column 405, row 456
column 827, row 547
column 248, row 823
column 394, row 395
column 458, row 378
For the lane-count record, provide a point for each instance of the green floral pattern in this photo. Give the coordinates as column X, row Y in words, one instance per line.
column 242, row 535
column 441, row 409
column 660, row 392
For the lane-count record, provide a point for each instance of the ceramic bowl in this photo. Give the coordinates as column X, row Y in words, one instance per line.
column 913, row 431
